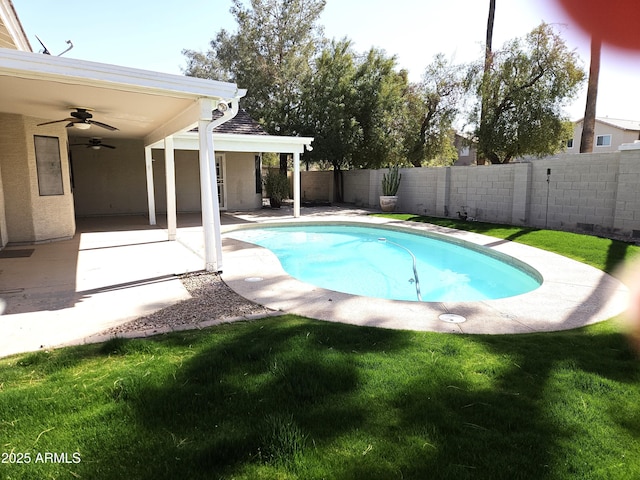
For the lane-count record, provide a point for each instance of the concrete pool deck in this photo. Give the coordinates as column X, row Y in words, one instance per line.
column 572, row 294
column 116, row 269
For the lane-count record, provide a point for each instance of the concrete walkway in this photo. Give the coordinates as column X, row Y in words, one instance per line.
column 116, row 269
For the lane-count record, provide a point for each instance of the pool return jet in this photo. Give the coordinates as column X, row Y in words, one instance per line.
column 415, row 267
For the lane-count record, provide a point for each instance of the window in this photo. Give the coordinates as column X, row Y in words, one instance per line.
column 603, row 140
column 570, row 143
column 464, row 151
column 48, row 165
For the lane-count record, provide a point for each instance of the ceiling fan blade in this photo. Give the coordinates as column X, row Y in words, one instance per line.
column 58, row 121
column 107, row 146
column 103, row 125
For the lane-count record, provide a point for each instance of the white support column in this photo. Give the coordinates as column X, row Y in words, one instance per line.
column 151, row 198
column 296, row 184
column 170, row 176
column 213, row 178
column 206, row 196
column 208, row 180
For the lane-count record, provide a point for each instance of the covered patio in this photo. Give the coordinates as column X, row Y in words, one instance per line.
column 147, row 110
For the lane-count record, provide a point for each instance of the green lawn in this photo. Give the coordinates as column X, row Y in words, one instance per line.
column 293, row 398
column 602, row 253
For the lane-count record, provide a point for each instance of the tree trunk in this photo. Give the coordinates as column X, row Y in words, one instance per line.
column 284, row 163
column 488, row 53
column 589, row 121
column 489, row 39
column 338, row 190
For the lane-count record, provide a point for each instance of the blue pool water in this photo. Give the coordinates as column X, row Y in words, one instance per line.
column 384, row 263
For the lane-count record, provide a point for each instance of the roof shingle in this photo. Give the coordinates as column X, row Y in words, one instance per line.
column 241, row 124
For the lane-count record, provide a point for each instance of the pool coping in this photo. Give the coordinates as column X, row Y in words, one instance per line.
column 572, row 294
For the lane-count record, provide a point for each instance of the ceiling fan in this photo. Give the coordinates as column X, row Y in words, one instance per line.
column 95, row 143
column 81, row 119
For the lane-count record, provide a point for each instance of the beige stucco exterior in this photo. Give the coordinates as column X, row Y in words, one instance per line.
column 625, row 132
column 113, row 182
column 27, row 215
column 106, row 181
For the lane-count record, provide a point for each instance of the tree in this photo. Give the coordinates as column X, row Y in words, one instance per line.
column 378, row 106
column 351, row 105
column 488, row 57
column 431, row 108
column 530, row 82
column 270, row 56
column 327, row 110
column 589, row 120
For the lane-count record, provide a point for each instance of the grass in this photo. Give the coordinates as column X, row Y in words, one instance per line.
column 293, row 398
column 603, row 253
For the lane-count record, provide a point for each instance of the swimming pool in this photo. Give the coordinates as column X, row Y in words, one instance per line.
column 393, row 264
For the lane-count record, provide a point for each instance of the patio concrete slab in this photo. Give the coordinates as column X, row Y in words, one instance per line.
column 71, row 289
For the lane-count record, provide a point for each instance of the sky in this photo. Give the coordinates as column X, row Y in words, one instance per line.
column 152, row 35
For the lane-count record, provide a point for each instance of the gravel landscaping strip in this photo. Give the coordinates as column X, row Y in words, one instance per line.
column 211, row 302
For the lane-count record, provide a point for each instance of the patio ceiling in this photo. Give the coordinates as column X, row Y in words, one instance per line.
column 140, row 103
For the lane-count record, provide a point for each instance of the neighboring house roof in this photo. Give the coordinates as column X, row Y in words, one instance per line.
column 633, row 125
column 241, row 124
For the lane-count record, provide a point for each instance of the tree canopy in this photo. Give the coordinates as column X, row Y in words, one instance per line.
column 364, row 112
column 350, row 105
column 270, row 55
column 530, row 81
column 432, row 106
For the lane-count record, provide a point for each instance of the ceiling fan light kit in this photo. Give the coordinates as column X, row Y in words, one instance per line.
column 94, row 143
column 81, row 119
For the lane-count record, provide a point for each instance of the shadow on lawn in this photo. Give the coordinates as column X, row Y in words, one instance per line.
column 359, row 402
column 256, row 396
column 295, row 387
column 528, row 424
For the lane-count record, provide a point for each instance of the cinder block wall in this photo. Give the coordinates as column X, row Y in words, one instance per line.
column 627, row 201
column 316, row 186
column 597, row 193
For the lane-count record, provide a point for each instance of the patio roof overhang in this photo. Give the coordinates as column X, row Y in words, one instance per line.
column 145, row 105
column 140, row 103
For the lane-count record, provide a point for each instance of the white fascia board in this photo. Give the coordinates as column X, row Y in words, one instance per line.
column 231, row 142
column 181, row 123
column 12, row 23
column 72, row 71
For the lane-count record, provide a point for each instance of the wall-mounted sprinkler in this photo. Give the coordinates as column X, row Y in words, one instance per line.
column 464, row 215
column 415, row 278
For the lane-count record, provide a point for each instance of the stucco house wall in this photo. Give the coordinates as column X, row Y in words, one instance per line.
column 241, row 181
column 113, row 182
column 109, row 182
column 29, row 216
column 187, row 181
column 621, row 131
